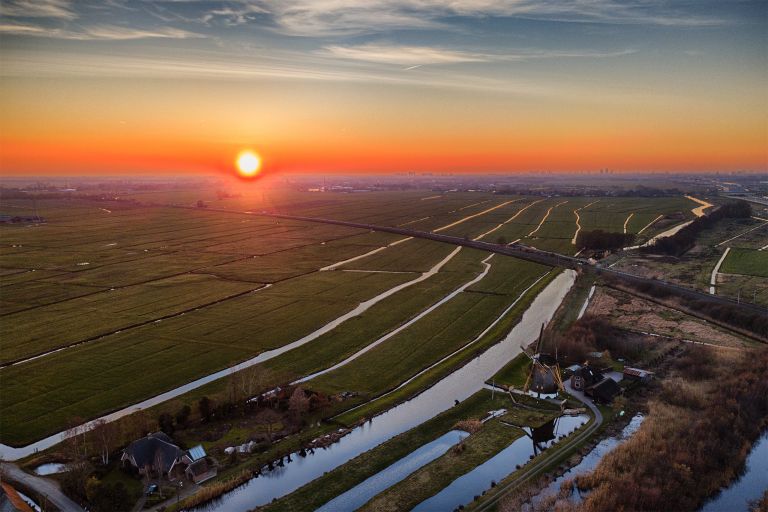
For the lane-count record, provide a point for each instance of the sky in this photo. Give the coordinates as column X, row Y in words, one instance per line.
column 381, row 86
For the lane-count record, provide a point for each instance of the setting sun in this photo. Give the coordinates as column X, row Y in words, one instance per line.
column 248, row 164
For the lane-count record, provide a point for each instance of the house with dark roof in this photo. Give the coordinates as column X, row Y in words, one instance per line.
column 584, row 377
column 603, row 391
column 198, row 468
column 155, row 454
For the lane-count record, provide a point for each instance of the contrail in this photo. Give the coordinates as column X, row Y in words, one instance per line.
column 413, row 67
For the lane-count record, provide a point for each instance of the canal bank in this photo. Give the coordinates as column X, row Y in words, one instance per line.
column 457, row 386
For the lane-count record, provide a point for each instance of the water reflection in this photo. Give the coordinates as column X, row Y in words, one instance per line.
column 51, row 468
column 462, row 490
column 459, row 385
column 590, row 461
column 360, row 494
column 749, row 487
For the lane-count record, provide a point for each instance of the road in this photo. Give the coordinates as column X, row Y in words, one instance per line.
column 42, row 486
column 524, row 252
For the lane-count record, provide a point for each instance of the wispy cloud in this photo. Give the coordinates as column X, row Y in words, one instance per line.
column 402, row 55
column 346, row 17
column 54, row 9
column 96, row 32
column 417, row 56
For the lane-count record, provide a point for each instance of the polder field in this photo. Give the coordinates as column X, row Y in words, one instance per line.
column 108, row 303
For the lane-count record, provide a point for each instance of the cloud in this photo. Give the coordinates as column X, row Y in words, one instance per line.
column 349, row 17
column 96, row 32
column 402, row 55
column 417, row 56
column 54, row 9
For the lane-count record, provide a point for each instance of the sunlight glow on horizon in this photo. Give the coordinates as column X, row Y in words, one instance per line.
column 392, row 87
column 248, row 164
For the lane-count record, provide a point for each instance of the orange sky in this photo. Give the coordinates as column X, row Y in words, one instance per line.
column 646, row 96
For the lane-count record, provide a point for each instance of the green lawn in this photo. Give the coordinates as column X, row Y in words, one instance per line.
column 514, row 373
column 747, row 262
column 176, row 271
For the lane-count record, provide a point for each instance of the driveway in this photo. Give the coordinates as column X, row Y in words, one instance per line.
column 46, row 488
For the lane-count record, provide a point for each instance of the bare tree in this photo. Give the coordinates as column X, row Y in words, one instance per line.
column 158, row 463
column 268, row 418
column 105, row 435
column 74, row 440
column 254, row 379
column 298, row 404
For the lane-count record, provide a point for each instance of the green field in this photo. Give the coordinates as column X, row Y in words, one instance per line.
column 748, row 262
column 143, row 297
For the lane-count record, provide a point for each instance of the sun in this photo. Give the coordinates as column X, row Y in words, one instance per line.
column 248, row 164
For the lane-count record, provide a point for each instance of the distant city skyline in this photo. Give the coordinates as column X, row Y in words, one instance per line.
column 345, row 86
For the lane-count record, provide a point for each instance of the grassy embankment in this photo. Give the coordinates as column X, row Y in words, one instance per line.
column 490, row 439
column 411, row 366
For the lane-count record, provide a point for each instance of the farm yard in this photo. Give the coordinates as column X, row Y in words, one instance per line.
column 144, row 297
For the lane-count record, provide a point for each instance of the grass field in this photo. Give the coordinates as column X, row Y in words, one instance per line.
column 748, row 262
column 165, row 295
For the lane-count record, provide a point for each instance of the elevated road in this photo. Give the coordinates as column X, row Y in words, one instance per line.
column 525, row 252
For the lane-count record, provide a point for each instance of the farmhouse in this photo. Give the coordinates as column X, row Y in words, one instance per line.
column 157, row 455
column 604, row 391
column 154, row 454
column 584, row 377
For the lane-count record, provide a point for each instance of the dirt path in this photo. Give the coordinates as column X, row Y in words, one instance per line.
column 627, row 222
column 699, row 210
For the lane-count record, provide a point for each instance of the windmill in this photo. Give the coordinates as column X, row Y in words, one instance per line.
column 544, row 376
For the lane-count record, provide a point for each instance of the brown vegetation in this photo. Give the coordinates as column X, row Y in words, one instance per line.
column 470, row 425
column 694, row 440
column 592, row 333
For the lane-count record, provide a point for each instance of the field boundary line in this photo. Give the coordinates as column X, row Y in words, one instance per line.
column 578, row 218
column 546, row 215
column 402, row 327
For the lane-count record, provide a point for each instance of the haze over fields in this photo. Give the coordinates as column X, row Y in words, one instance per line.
column 383, row 255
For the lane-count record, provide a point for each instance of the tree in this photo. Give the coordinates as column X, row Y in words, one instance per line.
column 182, row 415
column 205, row 406
column 298, row 404
column 157, row 462
column 165, row 421
column 106, row 435
column 254, row 379
column 268, row 418
column 74, row 440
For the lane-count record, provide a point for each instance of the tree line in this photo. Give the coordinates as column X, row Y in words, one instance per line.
column 685, row 239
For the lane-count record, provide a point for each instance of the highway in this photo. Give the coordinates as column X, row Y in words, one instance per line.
column 525, row 252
